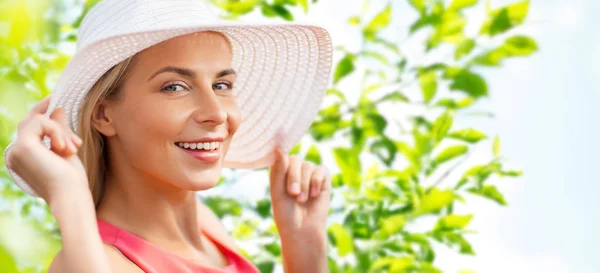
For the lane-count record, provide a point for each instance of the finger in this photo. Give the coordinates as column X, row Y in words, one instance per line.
column 77, row 140
column 294, row 176
column 307, row 170
column 317, row 181
column 58, row 115
column 39, row 126
column 40, row 107
column 278, row 171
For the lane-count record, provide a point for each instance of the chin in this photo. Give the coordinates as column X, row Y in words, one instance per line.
column 200, row 182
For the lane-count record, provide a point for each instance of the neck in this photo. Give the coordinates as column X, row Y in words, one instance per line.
column 149, row 208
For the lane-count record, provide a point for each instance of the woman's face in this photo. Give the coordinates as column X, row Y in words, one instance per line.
column 176, row 115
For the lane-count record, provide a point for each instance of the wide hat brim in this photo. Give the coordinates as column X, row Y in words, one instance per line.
column 283, row 72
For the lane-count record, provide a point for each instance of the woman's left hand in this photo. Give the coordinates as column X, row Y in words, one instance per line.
column 300, row 193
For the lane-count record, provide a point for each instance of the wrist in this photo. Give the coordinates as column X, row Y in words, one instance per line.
column 68, row 200
column 315, row 242
column 305, row 253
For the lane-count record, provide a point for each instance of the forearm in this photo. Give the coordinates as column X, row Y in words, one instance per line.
column 82, row 249
column 304, row 254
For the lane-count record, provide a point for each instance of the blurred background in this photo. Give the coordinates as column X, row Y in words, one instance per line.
column 459, row 132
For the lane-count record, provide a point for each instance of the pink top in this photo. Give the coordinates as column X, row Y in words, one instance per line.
column 153, row 259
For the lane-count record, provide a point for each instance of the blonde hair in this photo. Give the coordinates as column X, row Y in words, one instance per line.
column 92, row 152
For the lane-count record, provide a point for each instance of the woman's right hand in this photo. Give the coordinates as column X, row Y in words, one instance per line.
column 53, row 171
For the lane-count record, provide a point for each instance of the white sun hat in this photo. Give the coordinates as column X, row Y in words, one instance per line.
column 283, row 69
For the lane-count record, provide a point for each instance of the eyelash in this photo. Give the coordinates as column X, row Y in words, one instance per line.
column 229, row 86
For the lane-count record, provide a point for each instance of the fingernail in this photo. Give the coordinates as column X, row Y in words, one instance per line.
column 72, row 147
column 78, row 140
column 301, row 197
column 295, row 187
column 314, row 192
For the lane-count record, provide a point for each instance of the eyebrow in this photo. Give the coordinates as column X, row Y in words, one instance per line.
column 188, row 72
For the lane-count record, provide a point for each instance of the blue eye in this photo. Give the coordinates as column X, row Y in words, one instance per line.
column 172, row 87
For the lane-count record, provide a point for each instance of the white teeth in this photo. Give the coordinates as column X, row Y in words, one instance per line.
column 208, row 146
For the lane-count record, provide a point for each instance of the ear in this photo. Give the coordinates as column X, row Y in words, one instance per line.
column 102, row 119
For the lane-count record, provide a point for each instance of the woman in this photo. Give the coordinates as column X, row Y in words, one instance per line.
column 145, row 114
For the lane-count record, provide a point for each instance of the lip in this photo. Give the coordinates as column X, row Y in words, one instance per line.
column 206, row 139
column 203, row 155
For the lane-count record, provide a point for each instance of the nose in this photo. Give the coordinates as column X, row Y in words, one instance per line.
column 209, row 110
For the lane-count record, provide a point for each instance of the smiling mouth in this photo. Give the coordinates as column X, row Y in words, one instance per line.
column 208, row 152
column 201, row 146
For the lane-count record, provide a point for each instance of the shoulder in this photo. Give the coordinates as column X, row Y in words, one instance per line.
column 212, row 224
column 118, row 261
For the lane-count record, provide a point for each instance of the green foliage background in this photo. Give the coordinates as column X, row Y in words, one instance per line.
column 389, row 174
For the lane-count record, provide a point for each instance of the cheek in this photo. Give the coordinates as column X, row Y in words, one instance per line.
column 234, row 118
column 149, row 128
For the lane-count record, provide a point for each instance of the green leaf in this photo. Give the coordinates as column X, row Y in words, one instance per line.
column 428, row 82
column 434, row 201
column 452, row 222
column 267, row 10
column 456, row 239
column 222, row 206
column 466, row 81
column 387, row 44
column 396, row 96
column 452, row 104
column 266, row 267
column 313, row 155
column 7, row 262
column 520, row 45
column 385, row 150
column 496, row 146
column 419, row 5
column 342, row 239
column 391, row 225
column 245, row 230
column 283, row 12
column 304, row 4
column 344, row 67
column 337, row 93
column 347, row 160
column 273, row 248
column 237, row 8
column 490, row 192
column 374, row 124
column 410, row 154
column 469, row 135
column 441, row 126
column 515, row 46
column 380, row 21
column 354, row 20
column 461, row 4
column 505, row 18
column 263, row 208
column 376, row 55
column 464, row 48
column 296, row 149
column 513, row 173
column 450, row 153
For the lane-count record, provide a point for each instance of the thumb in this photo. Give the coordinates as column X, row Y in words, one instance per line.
column 279, row 171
